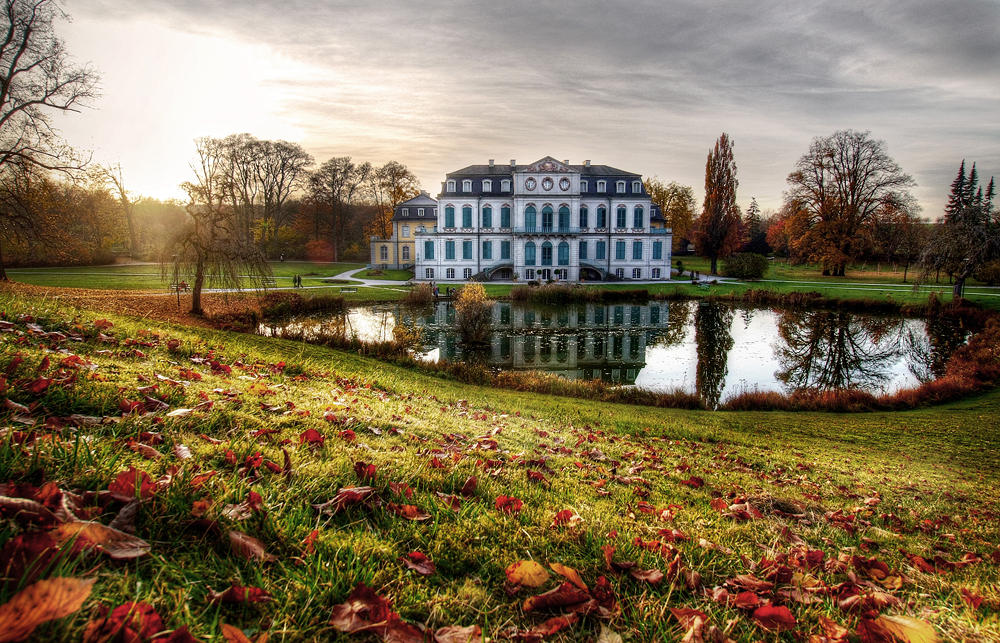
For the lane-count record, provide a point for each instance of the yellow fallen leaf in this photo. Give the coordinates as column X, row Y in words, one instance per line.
column 43, row 601
column 909, row 630
column 527, row 573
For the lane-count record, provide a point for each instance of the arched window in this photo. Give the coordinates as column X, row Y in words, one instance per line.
column 466, row 185
column 584, row 213
column 451, row 186
column 563, row 254
column 449, row 216
column 529, row 253
column 487, row 185
column 638, row 219
column 563, row 218
column 547, row 218
column 406, row 253
column 466, row 216
column 383, row 253
column 505, row 185
column 620, row 187
column 505, row 216
column 622, row 217
column 602, row 186
column 487, row 216
column 602, row 217
column 546, row 254
column 529, row 218
column 636, row 187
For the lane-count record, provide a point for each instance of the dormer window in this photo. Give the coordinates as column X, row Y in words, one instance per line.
column 466, row 185
column 602, row 186
column 451, row 186
column 406, row 212
column 505, row 185
column 487, row 185
column 636, row 187
column 620, row 187
column 420, row 212
column 583, row 186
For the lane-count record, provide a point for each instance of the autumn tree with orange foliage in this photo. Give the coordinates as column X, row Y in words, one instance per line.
column 718, row 231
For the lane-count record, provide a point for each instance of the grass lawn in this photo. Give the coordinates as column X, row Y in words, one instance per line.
column 298, row 474
column 387, row 275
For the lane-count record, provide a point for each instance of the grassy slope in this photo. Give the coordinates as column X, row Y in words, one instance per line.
column 938, row 465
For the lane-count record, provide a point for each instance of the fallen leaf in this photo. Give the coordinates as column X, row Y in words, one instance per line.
column 114, row 543
column 46, row 600
column 608, row 635
column 418, row 562
column 570, row 574
column 239, row 594
column 128, row 622
column 651, row 576
column 527, row 573
column 459, row 634
column 236, row 635
column 908, row 629
column 687, row 615
column 469, row 488
column 563, row 596
column 130, row 484
column 508, row 504
column 410, row 512
column 774, row 618
column 249, row 547
column 542, row 630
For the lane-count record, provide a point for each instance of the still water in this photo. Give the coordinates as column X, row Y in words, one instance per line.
column 716, row 350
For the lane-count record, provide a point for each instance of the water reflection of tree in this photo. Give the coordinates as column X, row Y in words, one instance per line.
column 712, row 323
column 927, row 353
column 828, row 349
column 678, row 320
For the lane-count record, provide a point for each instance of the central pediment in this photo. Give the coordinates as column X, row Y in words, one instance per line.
column 547, row 164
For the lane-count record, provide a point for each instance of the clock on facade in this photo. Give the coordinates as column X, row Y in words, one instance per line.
column 529, row 184
column 547, row 183
column 564, row 183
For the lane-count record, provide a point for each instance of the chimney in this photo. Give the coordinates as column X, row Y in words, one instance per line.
column 513, row 163
column 566, row 162
column 586, row 163
column 491, row 162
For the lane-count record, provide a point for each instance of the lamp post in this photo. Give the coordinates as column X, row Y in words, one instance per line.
column 177, row 283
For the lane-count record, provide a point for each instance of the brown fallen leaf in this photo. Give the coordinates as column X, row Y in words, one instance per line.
column 418, row 562
column 563, row 596
column 410, row 512
column 469, row 488
column 651, row 576
column 236, row 635
column 570, row 574
column 686, row 616
column 249, row 547
column 239, row 594
column 39, row 603
column 527, row 573
column 459, row 634
column 542, row 630
column 114, row 543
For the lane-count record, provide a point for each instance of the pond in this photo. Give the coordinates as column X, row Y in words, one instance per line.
column 714, row 349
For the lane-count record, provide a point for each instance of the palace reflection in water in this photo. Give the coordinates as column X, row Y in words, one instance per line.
column 587, row 341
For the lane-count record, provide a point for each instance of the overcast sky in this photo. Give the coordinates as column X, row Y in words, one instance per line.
column 643, row 86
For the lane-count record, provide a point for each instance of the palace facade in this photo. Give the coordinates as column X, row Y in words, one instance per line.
column 545, row 221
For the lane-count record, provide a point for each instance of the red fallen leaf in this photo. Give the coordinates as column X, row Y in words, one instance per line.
column 363, row 610
column 200, row 479
column 347, row 497
column 452, row 502
column 254, row 461
column 469, row 488
column 539, row 632
column 508, row 504
column 102, row 324
column 116, row 544
column 672, row 535
column 565, row 595
column 401, row 489
column 535, row 476
column 750, row 582
column 25, row 510
column 364, row 470
column 566, row 517
column 719, row 504
column 312, row 436
column 745, row 601
column 249, row 547
column 130, row 483
column 239, row 594
column 46, row 600
column 310, row 541
column 419, row 563
column 410, row 512
column 129, row 406
column 27, row 556
column 273, row 467
column 970, row 599
column 38, row 385
column 348, row 435
column 694, row 482
column 774, row 618
column 651, row 576
column 44, row 365
column 437, row 464
column 459, row 634
column 145, row 451
column 686, row 616
column 128, row 622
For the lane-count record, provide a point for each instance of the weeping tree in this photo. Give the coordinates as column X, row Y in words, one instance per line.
column 212, row 248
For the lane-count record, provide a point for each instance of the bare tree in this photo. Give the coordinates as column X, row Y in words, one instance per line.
column 212, row 247
column 282, row 169
column 387, row 187
column 36, row 78
column 337, row 185
column 839, row 186
column 113, row 175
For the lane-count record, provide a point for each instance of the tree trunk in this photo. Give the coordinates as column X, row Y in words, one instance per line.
column 715, row 263
column 906, row 267
column 134, row 245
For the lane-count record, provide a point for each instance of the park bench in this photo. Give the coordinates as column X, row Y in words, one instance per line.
column 177, row 287
column 349, row 289
column 269, row 281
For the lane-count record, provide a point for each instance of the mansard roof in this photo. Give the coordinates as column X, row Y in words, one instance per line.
column 547, row 164
column 410, row 209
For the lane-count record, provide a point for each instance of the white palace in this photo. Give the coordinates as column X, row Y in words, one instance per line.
column 544, row 221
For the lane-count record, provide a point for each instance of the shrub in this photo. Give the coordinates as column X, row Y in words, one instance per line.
column 475, row 314
column 319, row 250
column 745, row 265
column 419, row 296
